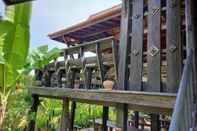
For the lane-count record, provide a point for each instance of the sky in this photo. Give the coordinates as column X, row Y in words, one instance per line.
column 52, row 15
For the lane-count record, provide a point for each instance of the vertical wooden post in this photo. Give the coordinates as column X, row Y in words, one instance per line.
column 191, row 40
column 137, row 50
column 174, row 46
column 154, row 49
column 33, row 110
column 65, row 116
column 137, row 46
column 73, row 105
column 122, row 110
column 72, row 118
column 155, row 122
column 102, row 74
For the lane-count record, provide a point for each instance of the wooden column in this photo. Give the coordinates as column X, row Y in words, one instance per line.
column 73, row 105
column 154, row 49
column 102, row 74
column 174, row 46
column 122, row 110
column 136, row 50
column 191, row 39
column 65, row 116
column 33, row 110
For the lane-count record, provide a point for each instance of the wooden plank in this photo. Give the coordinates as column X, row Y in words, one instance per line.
column 122, row 110
column 102, row 75
column 146, row 99
column 154, row 62
column 88, row 45
column 65, row 122
column 174, row 46
column 136, row 46
column 34, row 108
column 153, row 58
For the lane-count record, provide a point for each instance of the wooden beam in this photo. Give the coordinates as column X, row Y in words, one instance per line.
column 14, row 2
column 88, row 45
column 132, row 98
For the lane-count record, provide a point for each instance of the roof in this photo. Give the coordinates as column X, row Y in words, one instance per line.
column 102, row 24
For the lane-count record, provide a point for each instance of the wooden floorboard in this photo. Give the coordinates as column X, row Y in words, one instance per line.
column 142, row 101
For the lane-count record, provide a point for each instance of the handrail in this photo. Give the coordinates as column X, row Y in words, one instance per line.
column 182, row 114
column 88, row 44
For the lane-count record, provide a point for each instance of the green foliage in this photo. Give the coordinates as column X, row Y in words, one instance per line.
column 14, row 40
column 41, row 56
column 17, row 115
column 14, row 46
column 49, row 113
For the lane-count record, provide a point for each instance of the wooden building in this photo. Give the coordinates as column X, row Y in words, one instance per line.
column 146, row 47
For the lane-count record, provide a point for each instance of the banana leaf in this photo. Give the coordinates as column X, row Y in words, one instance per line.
column 16, row 39
column 41, row 56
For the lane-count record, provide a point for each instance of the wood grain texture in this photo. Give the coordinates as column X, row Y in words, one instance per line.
column 122, row 111
column 145, row 99
column 154, row 56
column 136, row 46
column 174, row 45
column 154, row 62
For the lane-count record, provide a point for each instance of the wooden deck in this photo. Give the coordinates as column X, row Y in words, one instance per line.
column 142, row 101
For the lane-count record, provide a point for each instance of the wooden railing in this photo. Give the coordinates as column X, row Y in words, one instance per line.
column 182, row 114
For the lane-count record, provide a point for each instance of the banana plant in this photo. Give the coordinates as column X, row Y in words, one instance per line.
column 14, row 46
column 38, row 58
column 41, row 56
